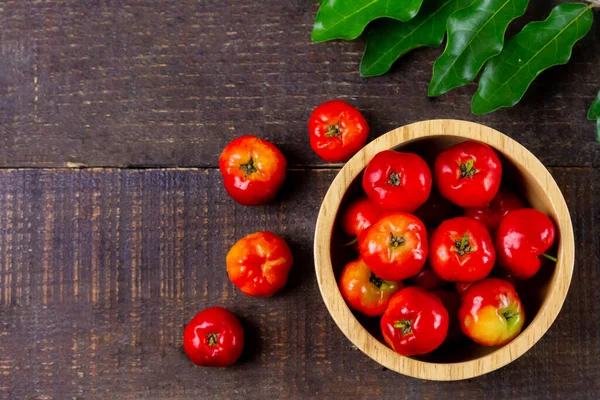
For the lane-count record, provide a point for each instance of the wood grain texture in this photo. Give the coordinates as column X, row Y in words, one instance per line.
column 170, row 82
column 101, row 269
column 537, row 188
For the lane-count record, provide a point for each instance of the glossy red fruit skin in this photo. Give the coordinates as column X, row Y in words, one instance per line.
column 415, row 322
column 358, row 216
column 214, row 338
column 364, row 291
column 468, row 188
column 396, row 181
column 522, row 236
column 491, row 214
column 259, row 264
column 395, row 247
column 451, row 302
column 482, row 312
column 337, row 131
column 427, row 279
column 445, row 250
column 253, row 170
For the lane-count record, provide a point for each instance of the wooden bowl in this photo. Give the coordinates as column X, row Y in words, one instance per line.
column 543, row 295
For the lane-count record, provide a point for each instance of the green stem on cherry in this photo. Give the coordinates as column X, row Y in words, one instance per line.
column 510, row 314
column 394, row 179
column 249, row 167
column 213, row 339
column 405, row 325
column 549, row 257
column 467, row 170
column 375, row 280
column 396, row 241
column 462, row 246
column 350, row 243
column 334, row 130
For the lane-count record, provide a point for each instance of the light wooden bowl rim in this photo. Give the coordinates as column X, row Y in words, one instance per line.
column 359, row 336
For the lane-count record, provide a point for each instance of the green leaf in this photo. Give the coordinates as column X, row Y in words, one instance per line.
column 346, row 19
column 539, row 46
column 389, row 39
column 594, row 114
column 475, row 34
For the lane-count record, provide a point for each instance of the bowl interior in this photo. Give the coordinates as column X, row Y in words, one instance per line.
column 532, row 292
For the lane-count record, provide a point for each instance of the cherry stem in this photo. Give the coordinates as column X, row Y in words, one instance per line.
column 394, row 179
column 462, row 246
column 396, row 241
column 249, row 167
column 549, row 257
column 467, row 170
column 334, row 130
column 375, row 280
column 350, row 243
column 213, row 339
column 405, row 325
column 509, row 314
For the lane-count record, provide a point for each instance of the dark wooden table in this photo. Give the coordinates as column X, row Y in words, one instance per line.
column 114, row 223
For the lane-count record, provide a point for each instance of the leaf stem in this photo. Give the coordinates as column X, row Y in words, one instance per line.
column 593, row 3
